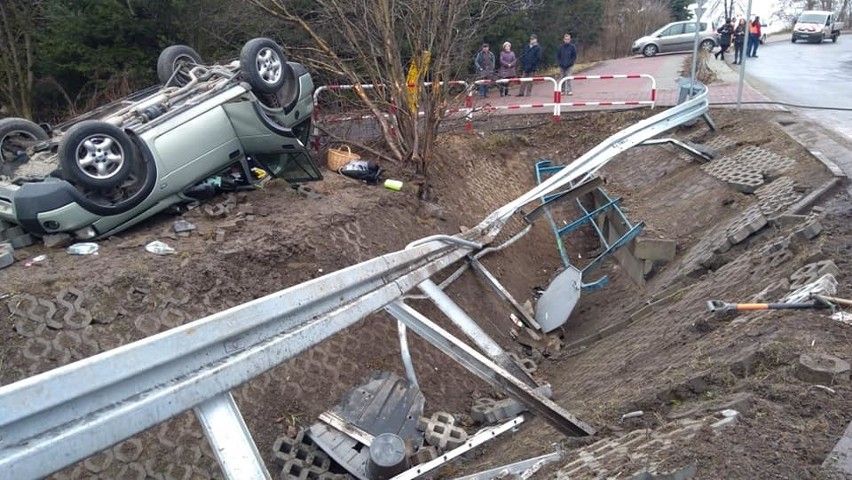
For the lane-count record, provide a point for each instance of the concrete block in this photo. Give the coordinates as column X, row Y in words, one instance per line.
column 527, row 364
column 810, row 230
column 57, row 240
column 220, row 235
column 22, row 241
column 745, row 181
column 215, row 211
column 750, row 222
column 822, row 369
column 440, row 431
column 655, row 249
column 839, row 459
column 12, row 232
column 7, row 255
column 247, row 209
column 783, row 221
column 424, row 454
column 489, row 411
column 812, row 272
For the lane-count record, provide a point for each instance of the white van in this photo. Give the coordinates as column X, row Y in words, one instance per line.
column 815, row 26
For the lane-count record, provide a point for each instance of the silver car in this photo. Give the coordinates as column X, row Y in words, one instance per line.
column 676, row 37
column 204, row 127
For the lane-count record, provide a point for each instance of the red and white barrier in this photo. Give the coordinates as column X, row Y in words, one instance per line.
column 558, row 93
column 557, row 104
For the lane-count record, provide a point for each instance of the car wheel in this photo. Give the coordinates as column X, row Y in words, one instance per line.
column 793, row 39
column 174, row 64
column 16, row 134
column 650, row 50
column 834, row 39
column 96, row 154
column 262, row 63
column 819, row 40
column 708, row 45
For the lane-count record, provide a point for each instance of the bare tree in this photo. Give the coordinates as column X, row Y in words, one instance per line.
column 376, row 42
column 629, row 20
column 17, row 20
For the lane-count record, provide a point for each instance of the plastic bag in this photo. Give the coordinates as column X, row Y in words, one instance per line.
column 160, row 248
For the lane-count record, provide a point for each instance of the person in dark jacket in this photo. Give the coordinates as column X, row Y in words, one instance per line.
column 565, row 57
column 529, row 62
column 725, row 32
column 739, row 41
column 484, row 62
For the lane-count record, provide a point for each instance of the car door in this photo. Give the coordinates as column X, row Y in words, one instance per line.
column 687, row 39
column 669, row 38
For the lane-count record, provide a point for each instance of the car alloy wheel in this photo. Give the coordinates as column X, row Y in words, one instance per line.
column 97, row 154
column 262, row 63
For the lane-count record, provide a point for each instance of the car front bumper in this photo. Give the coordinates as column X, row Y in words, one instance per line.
column 809, row 36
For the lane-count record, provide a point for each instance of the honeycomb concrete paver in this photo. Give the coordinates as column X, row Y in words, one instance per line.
column 638, row 447
column 775, row 197
column 750, row 222
column 440, row 431
column 812, row 272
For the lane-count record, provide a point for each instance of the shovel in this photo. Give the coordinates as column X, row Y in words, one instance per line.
column 718, row 306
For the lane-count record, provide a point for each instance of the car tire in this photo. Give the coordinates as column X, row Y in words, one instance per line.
column 793, row 39
column 650, row 50
column 262, row 64
column 708, row 45
column 23, row 129
column 834, row 39
column 96, row 154
column 177, row 58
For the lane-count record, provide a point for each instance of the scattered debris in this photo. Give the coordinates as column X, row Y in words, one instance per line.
column 395, row 185
column 523, row 469
column 636, row 414
column 159, row 248
column 85, row 248
column 183, row 226
column 827, row 389
column 842, row 317
column 35, row 260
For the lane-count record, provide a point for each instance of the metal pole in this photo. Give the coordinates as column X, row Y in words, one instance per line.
column 698, row 13
column 743, row 59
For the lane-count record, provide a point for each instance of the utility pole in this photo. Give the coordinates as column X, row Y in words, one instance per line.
column 699, row 12
column 743, row 60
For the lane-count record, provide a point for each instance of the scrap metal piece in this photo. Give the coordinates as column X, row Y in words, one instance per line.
column 557, row 302
column 487, row 370
column 387, row 403
column 479, row 268
column 481, row 437
column 700, row 152
column 524, row 468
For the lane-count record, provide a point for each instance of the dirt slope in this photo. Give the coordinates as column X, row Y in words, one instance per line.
column 674, row 359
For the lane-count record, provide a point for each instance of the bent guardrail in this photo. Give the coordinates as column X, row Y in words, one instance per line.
column 59, row 417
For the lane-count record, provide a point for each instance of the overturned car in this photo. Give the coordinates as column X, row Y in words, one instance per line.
column 111, row 168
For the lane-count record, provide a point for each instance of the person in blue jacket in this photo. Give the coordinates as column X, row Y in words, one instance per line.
column 529, row 62
column 565, row 57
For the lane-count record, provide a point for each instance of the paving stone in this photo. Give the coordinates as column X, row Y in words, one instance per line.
column 440, row 431
column 10, row 233
column 822, row 369
column 745, row 181
column 748, row 223
column 424, row 454
column 810, row 230
column 762, row 160
column 57, row 240
column 784, row 221
column 7, row 254
column 527, row 364
column 812, row 272
column 613, row 456
column 22, row 241
column 489, row 411
column 775, row 197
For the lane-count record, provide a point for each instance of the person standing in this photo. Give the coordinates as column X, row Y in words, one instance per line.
column 529, row 61
column 739, row 41
column 507, row 67
column 725, row 32
column 484, row 63
column 753, row 37
column 566, row 56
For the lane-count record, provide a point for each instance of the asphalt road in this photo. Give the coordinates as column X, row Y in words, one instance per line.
column 809, row 74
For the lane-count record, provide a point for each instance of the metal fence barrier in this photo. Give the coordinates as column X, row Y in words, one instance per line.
column 62, row 416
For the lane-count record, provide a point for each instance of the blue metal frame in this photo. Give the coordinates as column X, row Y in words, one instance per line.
column 544, row 168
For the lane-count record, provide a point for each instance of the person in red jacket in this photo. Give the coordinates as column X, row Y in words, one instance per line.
column 753, row 37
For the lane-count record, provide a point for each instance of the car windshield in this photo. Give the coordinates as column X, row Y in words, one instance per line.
column 812, row 18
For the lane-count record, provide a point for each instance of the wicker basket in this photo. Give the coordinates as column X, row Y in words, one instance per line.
column 337, row 157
